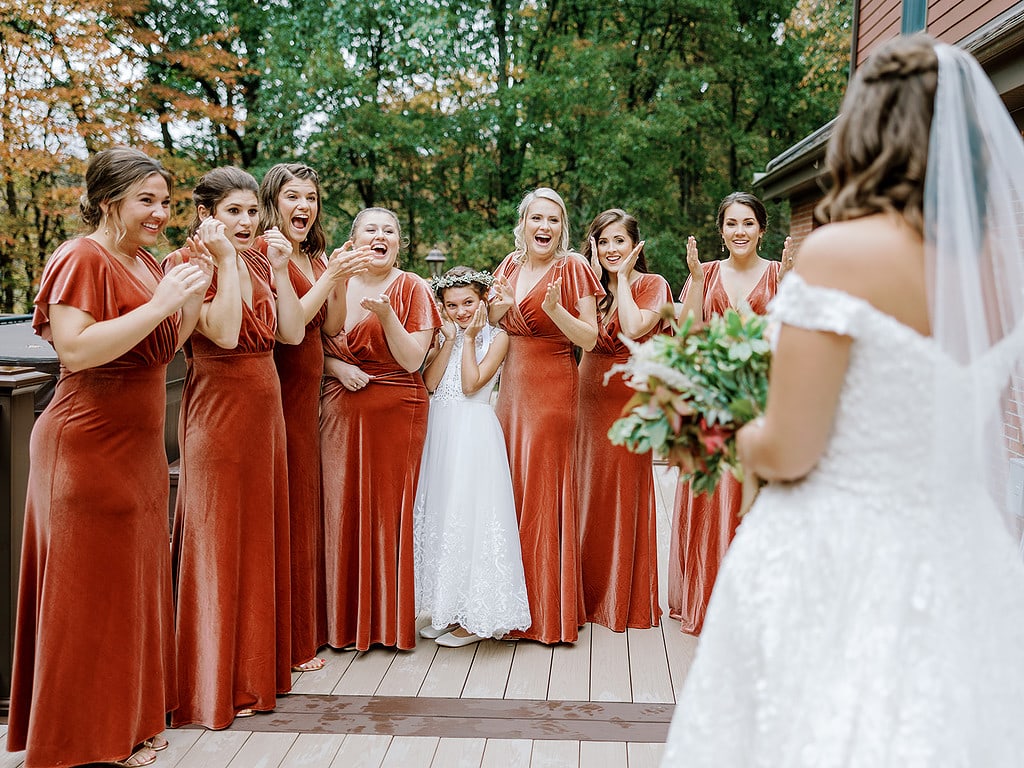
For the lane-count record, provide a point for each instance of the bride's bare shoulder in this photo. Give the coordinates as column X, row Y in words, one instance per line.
column 878, row 258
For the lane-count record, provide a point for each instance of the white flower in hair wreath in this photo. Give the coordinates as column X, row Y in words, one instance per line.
column 484, row 278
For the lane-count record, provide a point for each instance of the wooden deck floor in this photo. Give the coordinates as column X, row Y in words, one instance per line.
column 604, row 701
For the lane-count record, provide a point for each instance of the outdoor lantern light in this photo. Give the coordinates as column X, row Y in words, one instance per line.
column 435, row 261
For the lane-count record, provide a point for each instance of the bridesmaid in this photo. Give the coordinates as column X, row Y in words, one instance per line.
column 373, row 424
column 618, row 527
column 93, row 648
column 290, row 202
column 704, row 525
column 545, row 299
column 230, row 542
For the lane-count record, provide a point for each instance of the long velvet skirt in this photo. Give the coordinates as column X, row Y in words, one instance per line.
column 703, row 526
column 372, row 443
column 536, row 407
column 230, row 546
column 300, row 369
column 93, row 650
column 618, row 527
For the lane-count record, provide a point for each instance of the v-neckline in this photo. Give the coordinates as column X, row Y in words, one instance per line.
column 746, row 299
column 540, row 278
column 366, row 312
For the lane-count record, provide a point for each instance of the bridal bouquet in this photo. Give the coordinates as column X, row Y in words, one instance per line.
column 694, row 390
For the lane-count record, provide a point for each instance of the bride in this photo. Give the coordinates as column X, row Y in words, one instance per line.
column 871, row 609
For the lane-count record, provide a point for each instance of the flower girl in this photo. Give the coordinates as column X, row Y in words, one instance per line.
column 469, row 568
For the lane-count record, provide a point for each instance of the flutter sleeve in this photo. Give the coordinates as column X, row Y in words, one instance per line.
column 578, row 280
column 816, row 308
column 78, row 275
column 418, row 310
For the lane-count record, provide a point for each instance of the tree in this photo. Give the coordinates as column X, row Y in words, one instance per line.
column 66, row 73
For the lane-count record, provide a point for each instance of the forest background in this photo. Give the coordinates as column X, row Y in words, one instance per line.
column 446, row 111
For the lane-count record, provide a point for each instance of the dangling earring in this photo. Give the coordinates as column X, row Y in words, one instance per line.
column 723, row 245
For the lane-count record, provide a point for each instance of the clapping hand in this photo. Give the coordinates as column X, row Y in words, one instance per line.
column 279, row 248
column 693, row 260
column 345, row 262
column 595, row 262
column 788, row 256
column 196, row 252
column 553, row 296
column 180, row 284
column 502, row 297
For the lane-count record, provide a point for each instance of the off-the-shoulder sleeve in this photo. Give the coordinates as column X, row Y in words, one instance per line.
column 418, row 310
column 816, row 308
column 578, row 280
column 78, row 275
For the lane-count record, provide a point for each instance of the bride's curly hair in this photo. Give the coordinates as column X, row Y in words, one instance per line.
column 878, row 153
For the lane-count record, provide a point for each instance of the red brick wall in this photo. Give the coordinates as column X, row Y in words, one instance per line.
column 948, row 20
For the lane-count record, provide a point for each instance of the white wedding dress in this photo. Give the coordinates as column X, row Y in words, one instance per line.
column 468, row 563
column 859, row 620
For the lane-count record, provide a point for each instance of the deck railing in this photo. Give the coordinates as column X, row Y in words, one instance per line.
column 18, row 386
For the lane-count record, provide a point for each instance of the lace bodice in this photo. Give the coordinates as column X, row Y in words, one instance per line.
column 871, row 614
column 450, row 387
column 886, row 407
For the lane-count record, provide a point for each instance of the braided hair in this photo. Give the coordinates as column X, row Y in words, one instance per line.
column 878, row 153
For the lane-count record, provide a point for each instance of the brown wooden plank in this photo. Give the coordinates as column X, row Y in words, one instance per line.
column 468, row 718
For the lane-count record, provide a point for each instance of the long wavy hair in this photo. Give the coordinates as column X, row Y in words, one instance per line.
column 316, row 241
column 597, row 226
column 878, row 153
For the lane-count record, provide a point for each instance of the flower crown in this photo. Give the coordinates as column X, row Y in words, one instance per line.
column 438, row 284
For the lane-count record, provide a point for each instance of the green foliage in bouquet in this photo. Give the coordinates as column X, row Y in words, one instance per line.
column 694, row 391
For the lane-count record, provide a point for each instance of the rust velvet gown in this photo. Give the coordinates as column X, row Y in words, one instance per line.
column 537, row 396
column 703, row 525
column 300, row 369
column 93, row 649
column 371, row 445
column 618, row 527
column 230, row 543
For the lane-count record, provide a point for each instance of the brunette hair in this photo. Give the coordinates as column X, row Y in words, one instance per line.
column 273, row 182
column 110, row 177
column 747, row 199
column 541, row 193
column 597, row 226
column 217, row 184
column 878, row 153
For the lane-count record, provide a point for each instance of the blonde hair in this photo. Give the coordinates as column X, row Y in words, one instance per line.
column 878, row 154
column 542, row 193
